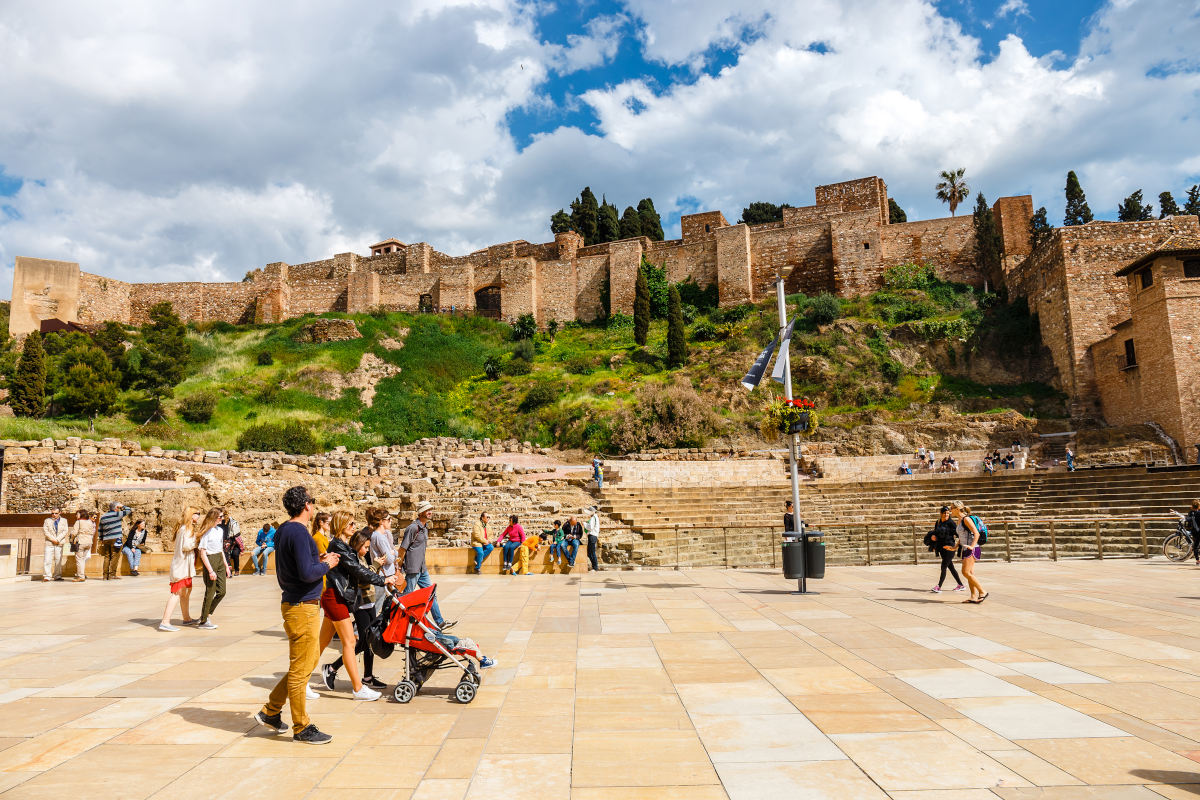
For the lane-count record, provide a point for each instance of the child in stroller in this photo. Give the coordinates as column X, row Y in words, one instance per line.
column 405, row 622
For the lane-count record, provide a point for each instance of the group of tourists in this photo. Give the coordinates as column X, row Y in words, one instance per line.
column 517, row 548
column 959, row 533
column 107, row 535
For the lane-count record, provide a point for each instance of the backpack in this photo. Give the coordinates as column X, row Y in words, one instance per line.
column 981, row 527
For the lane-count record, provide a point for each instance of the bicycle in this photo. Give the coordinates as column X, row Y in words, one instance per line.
column 1177, row 546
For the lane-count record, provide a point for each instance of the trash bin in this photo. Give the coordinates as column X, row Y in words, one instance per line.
column 791, row 557
column 814, row 554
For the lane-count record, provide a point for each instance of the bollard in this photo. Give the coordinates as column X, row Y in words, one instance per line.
column 868, row 529
column 1142, row 525
column 1007, row 544
column 1099, row 542
column 725, row 537
column 1053, row 544
column 913, row 528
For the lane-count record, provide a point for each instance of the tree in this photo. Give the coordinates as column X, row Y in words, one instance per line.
column 1132, row 210
column 585, row 214
column 608, row 228
column 1077, row 212
column 561, row 222
column 651, row 224
column 27, row 388
column 989, row 247
column 1039, row 228
column 163, row 357
column 952, row 188
column 677, row 350
column 895, row 212
column 631, row 223
column 641, row 309
column 1167, row 207
column 88, row 393
column 112, row 339
column 1192, row 205
column 761, row 212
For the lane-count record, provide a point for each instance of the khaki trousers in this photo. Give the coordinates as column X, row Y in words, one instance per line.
column 302, row 624
column 52, row 561
column 110, row 550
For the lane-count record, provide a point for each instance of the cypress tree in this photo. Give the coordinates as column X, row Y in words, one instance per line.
column 1077, row 212
column 608, row 228
column 641, row 309
column 561, row 222
column 651, row 224
column 1192, row 204
column 677, row 351
column 585, row 213
column 895, row 212
column 1039, row 228
column 631, row 223
column 1167, row 207
column 27, row 388
column 1132, row 210
column 989, row 248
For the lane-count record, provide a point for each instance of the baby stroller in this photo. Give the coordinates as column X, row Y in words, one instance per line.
column 404, row 623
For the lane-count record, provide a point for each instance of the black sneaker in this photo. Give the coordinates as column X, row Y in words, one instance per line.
column 328, row 676
column 274, row 722
column 374, row 683
column 311, row 735
column 448, row 625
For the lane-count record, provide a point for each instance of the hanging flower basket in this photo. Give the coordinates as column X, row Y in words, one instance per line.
column 792, row 416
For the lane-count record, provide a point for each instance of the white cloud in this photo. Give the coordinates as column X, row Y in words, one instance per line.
column 203, row 139
column 1013, row 8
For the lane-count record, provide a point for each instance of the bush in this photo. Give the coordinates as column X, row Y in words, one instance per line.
column 291, row 436
column 198, row 407
column 704, row 331
column 524, row 328
column 731, row 314
column 580, row 365
column 517, row 366
column 824, row 309
column 909, row 276
column 891, row 369
column 673, row 415
column 540, row 394
column 491, row 368
column 264, row 359
column 690, row 313
column 524, row 349
column 619, row 322
column 692, row 295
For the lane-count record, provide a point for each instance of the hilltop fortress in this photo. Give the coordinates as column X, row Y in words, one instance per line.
column 1117, row 302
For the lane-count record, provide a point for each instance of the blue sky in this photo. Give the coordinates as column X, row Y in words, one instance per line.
column 196, row 141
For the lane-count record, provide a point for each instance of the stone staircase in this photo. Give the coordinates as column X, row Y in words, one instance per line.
column 1029, row 515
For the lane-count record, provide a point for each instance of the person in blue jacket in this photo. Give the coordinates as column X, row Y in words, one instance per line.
column 264, row 545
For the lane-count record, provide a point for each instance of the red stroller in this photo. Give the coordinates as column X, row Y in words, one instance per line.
column 405, row 624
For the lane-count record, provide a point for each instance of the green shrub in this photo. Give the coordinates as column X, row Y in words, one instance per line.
column 690, row 313
column 580, row 365
column 824, row 309
column 657, row 286
column 540, row 394
column 692, row 295
column 265, row 359
column 198, row 407
column 731, row 314
column 517, row 366
column 909, row 276
column 491, row 368
column 891, row 369
column 704, row 331
column 291, row 436
column 619, row 322
column 524, row 349
column 524, row 328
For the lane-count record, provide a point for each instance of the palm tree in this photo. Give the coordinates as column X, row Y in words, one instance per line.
column 952, row 188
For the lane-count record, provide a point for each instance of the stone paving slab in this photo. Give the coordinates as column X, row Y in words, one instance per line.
column 1073, row 680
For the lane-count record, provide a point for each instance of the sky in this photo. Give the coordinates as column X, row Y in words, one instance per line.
column 201, row 139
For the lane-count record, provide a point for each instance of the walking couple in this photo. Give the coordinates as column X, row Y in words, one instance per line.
column 959, row 531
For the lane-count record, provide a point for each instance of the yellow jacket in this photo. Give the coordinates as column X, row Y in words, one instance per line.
column 482, row 534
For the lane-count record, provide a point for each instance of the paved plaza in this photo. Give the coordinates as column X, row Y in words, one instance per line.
column 1073, row 680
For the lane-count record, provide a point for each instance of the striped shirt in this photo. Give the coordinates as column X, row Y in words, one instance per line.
column 110, row 524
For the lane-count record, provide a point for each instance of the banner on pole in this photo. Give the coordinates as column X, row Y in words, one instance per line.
column 759, row 366
column 784, row 352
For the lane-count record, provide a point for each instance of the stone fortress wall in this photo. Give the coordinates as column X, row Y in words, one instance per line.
column 841, row 244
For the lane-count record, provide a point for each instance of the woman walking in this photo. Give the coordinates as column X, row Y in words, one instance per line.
column 360, row 581
column 968, row 536
column 340, row 595
column 212, row 559
column 182, row 569
column 512, row 538
column 83, row 535
column 945, row 536
column 134, row 543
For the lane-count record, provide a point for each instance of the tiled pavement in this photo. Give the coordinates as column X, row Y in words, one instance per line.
column 1081, row 677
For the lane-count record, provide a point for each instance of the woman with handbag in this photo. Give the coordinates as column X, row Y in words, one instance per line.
column 945, row 539
column 182, row 569
column 356, row 555
column 340, row 597
column 82, row 537
column 233, row 546
column 135, row 545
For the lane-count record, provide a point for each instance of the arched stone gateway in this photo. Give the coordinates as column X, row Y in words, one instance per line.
column 487, row 301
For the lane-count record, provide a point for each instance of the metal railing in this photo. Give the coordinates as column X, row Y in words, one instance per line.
column 862, row 543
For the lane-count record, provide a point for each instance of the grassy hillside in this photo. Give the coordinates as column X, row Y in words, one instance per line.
column 590, row 386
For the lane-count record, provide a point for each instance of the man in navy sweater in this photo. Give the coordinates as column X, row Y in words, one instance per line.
column 300, row 569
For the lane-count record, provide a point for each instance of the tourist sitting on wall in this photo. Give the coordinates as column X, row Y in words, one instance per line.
column 554, row 538
column 1010, row 461
column 525, row 553
column 481, row 541
column 264, row 545
column 573, row 538
column 988, row 466
column 951, row 464
column 904, row 468
column 1016, row 445
column 510, row 540
column 135, row 545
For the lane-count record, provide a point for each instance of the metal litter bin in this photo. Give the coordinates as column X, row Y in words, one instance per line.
column 791, row 557
column 814, row 554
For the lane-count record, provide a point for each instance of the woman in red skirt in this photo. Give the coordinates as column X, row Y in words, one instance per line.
column 338, row 616
column 182, row 569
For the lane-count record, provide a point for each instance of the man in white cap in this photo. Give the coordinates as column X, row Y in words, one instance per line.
column 592, row 527
column 412, row 555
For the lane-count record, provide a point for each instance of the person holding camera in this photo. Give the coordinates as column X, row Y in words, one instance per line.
column 112, row 534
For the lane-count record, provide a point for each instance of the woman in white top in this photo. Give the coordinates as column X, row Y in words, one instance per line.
column 83, row 534
column 211, row 546
column 182, row 569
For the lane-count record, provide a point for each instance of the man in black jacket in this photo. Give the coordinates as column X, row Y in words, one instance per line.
column 1193, row 522
column 946, row 537
column 573, row 535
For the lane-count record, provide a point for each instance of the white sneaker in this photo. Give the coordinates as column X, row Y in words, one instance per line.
column 311, row 693
column 166, row 626
column 367, row 694
column 207, row 626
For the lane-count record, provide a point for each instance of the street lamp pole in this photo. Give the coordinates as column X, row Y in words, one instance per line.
column 793, row 438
